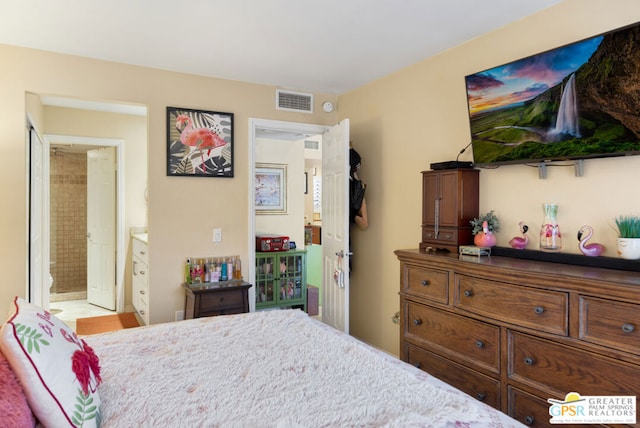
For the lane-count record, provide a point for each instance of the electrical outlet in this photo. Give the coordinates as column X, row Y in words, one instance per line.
column 180, row 315
column 217, row 234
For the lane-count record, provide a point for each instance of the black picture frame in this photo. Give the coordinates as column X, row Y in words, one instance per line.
column 199, row 143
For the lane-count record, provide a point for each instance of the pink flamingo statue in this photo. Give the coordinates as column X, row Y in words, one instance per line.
column 591, row 250
column 485, row 238
column 520, row 243
column 200, row 138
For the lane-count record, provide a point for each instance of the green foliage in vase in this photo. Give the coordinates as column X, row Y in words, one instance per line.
column 628, row 226
column 490, row 218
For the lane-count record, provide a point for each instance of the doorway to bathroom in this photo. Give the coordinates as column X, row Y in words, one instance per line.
column 64, row 128
column 84, row 222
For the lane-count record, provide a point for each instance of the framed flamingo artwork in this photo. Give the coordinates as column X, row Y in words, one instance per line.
column 199, row 143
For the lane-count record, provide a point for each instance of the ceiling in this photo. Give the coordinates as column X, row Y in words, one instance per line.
column 330, row 46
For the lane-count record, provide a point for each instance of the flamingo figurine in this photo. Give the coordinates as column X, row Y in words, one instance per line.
column 591, row 250
column 200, row 138
column 520, row 243
column 485, row 238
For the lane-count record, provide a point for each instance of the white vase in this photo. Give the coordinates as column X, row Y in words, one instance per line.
column 629, row 248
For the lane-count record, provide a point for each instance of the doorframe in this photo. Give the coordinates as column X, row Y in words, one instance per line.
column 33, row 293
column 271, row 125
column 49, row 139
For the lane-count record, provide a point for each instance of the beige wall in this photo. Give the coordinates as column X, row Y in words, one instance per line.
column 400, row 124
column 405, row 121
column 182, row 211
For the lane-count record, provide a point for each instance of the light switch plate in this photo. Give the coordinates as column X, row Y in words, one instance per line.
column 217, row 234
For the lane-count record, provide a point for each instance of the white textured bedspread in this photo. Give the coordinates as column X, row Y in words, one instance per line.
column 269, row 369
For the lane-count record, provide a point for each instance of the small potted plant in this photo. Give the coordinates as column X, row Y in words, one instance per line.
column 628, row 236
column 483, row 229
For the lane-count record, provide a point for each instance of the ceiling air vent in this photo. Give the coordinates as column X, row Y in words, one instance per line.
column 294, row 101
column 311, row 144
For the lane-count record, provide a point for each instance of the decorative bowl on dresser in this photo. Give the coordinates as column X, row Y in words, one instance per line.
column 514, row 333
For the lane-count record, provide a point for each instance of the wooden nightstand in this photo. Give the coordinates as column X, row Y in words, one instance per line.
column 215, row 298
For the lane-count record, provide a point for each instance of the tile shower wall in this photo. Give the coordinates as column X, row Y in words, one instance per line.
column 68, row 221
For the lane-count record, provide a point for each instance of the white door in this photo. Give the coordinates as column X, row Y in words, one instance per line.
column 37, row 210
column 335, row 226
column 101, row 227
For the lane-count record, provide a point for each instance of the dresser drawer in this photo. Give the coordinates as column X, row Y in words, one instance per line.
column 473, row 342
column 482, row 387
column 140, row 287
column 225, row 311
column 544, row 364
column 526, row 408
column 431, row 284
column 533, row 411
column 610, row 323
column 140, row 250
column 445, row 235
column 210, row 302
column 528, row 307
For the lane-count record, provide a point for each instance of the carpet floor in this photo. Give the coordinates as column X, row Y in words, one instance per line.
column 102, row 324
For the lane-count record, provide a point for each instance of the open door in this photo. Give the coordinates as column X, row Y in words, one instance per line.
column 335, row 226
column 101, row 227
column 38, row 255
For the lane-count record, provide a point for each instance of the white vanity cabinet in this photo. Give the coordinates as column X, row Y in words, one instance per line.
column 140, row 280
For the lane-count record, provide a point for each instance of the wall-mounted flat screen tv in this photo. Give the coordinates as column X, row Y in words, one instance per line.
column 577, row 101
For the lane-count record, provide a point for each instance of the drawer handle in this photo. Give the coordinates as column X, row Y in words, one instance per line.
column 468, row 293
column 141, row 311
column 529, row 361
column 222, row 299
column 481, row 396
column 628, row 328
column 479, row 344
column 143, row 252
column 141, row 291
column 539, row 310
column 425, row 282
column 529, row 420
column 417, row 321
column 141, row 272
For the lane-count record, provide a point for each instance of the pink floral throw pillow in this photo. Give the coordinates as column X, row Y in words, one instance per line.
column 60, row 373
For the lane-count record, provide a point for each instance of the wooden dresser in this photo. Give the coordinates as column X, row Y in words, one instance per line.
column 514, row 332
column 140, row 278
column 215, row 298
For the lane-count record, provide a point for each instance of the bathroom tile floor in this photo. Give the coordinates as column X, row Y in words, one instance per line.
column 70, row 310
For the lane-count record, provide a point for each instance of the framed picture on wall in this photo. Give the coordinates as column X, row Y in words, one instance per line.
column 199, row 143
column 271, row 188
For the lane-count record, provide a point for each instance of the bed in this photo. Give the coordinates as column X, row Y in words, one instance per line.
column 277, row 368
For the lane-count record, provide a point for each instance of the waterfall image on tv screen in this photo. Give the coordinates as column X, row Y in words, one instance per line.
column 575, row 102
